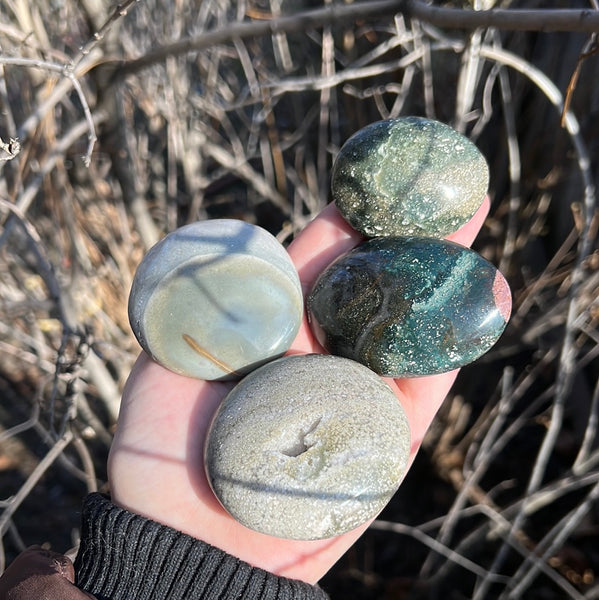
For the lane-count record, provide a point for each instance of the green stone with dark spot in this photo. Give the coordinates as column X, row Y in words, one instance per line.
column 409, row 306
column 408, row 176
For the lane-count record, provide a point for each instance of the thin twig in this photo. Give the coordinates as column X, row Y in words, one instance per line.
column 542, row 566
column 45, row 267
column 297, row 84
column 67, row 72
column 88, row 464
column 437, row 547
column 515, row 170
column 21, row 427
column 422, row 45
column 468, row 81
column 119, row 12
column 44, row 464
column 591, row 47
column 327, row 70
column 590, row 433
column 554, row 539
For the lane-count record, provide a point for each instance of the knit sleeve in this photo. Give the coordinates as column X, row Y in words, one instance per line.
column 124, row 556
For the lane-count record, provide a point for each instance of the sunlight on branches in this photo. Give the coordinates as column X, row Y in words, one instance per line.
column 119, row 124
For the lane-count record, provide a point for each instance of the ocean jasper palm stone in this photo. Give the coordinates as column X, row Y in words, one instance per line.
column 307, row 447
column 408, row 176
column 409, row 306
column 215, row 299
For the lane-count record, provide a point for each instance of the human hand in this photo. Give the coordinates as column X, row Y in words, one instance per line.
column 39, row 573
column 156, row 462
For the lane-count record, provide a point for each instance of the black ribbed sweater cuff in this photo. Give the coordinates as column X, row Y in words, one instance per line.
column 124, row 556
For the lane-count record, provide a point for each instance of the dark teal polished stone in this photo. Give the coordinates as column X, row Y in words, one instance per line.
column 409, row 306
column 408, row 176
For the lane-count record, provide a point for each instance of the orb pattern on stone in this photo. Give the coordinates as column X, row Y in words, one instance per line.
column 408, row 176
column 408, row 307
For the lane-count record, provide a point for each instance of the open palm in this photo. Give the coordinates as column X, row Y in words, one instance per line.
column 156, row 462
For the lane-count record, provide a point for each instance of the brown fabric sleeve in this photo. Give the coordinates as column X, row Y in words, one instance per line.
column 40, row 574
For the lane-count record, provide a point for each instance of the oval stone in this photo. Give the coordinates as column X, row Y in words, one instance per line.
column 408, row 176
column 215, row 299
column 409, row 306
column 307, row 447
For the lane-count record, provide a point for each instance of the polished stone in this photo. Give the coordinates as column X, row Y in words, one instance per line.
column 408, row 176
column 409, row 306
column 307, row 447
column 215, row 299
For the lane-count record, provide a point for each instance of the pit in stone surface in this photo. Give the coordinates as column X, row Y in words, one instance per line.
column 307, row 447
column 300, row 446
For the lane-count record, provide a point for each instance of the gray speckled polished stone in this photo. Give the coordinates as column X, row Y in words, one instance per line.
column 307, row 447
column 409, row 306
column 408, row 176
column 215, row 299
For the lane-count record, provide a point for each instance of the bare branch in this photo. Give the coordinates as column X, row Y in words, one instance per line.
column 119, row 12
column 67, row 72
column 54, row 453
column 512, row 19
column 591, row 47
column 436, row 546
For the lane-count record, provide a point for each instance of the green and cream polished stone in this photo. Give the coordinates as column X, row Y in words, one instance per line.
column 408, row 176
column 307, row 447
column 409, row 306
column 215, row 299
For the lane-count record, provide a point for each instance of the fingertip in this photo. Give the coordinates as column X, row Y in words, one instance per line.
column 468, row 232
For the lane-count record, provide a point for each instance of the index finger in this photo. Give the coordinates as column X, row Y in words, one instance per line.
column 325, row 238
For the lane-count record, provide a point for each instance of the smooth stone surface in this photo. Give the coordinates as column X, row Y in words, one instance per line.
column 307, row 447
column 216, row 299
column 409, row 306
column 408, row 176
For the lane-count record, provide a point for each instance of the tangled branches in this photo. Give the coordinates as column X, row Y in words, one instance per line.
column 119, row 126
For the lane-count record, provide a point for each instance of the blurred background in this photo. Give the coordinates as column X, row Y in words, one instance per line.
column 119, row 124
